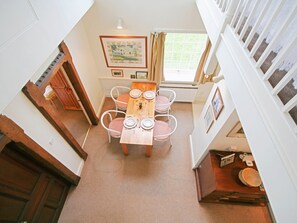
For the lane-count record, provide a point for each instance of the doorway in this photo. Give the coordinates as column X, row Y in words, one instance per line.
column 65, row 102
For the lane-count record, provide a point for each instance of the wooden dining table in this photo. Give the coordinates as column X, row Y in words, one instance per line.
column 138, row 135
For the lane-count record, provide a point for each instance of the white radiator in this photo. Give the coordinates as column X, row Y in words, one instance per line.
column 184, row 92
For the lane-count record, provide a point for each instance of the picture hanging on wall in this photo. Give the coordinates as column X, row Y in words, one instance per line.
column 117, row 73
column 208, row 118
column 125, row 51
column 217, row 103
column 237, row 131
column 141, row 74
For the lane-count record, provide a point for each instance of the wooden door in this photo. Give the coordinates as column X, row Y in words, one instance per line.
column 28, row 193
column 64, row 92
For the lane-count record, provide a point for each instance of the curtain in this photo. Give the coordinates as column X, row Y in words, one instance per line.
column 200, row 76
column 156, row 59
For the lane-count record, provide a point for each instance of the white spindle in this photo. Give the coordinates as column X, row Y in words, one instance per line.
column 242, row 16
column 276, row 37
column 267, row 28
column 257, row 23
column 221, row 4
column 290, row 104
column 248, row 20
column 237, row 11
column 285, row 80
column 231, row 7
column 224, row 5
column 280, row 57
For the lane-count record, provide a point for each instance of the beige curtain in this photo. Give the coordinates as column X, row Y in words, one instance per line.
column 156, row 57
column 200, row 77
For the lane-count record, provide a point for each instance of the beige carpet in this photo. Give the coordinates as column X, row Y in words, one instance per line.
column 137, row 189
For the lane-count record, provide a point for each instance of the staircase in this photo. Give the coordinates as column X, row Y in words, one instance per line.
column 255, row 43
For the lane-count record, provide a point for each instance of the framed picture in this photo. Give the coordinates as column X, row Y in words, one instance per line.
column 217, row 103
column 132, row 76
column 208, row 118
column 117, row 73
column 125, row 51
column 237, row 131
column 141, row 74
column 225, row 160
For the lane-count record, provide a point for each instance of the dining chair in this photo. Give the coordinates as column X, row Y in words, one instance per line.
column 120, row 96
column 113, row 124
column 164, row 129
column 164, row 100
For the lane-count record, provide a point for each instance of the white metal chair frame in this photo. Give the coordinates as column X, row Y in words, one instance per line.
column 115, row 92
column 172, row 123
column 108, row 113
column 171, row 95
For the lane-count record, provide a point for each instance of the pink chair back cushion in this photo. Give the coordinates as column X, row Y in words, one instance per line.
column 123, row 98
column 161, row 128
column 162, row 103
column 117, row 125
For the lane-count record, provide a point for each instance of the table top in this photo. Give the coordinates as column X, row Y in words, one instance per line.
column 139, row 135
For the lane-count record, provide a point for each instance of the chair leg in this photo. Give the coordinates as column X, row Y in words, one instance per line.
column 109, row 138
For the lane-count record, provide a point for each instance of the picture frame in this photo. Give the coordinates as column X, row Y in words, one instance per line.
column 133, row 76
column 208, row 118
column 125, row 51
column 217, row 103
column 117, row 73
column 141, row 74
column 237, row 131
column 225, row 160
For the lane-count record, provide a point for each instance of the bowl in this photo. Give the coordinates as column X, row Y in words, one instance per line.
column 250, row 177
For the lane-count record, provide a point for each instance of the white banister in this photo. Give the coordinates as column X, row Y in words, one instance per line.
column 280, row 57
column 238, row 25
column 231, row 7
column 267, row 28
column 276, row 37
column 221, row 4
column 284, row 81
column 248, row 20
column 257, row 23
column 224, row 5
column 237, row 11
column 290, row 104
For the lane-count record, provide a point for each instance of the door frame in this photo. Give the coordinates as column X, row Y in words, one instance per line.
column 10, row 131
column 35, row 95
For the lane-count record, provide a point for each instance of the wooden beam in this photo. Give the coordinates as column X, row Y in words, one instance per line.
column 36, row 97
column 3, row 141
column 77, row 84
column 15, row 133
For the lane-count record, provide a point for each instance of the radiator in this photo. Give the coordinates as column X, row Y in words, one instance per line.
column 184, row 92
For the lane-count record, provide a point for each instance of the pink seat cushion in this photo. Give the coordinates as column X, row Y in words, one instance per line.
column 117, row 125
column 123, row 98
column 161, row 130
column 162, row 103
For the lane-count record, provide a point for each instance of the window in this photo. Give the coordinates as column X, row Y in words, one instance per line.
column 182, row 54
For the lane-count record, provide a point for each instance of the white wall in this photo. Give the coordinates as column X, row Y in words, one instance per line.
column 26, row 115
column 30, row 34
column 30, row 31
column 140, row 18
column 80, row 49
column 216, row 138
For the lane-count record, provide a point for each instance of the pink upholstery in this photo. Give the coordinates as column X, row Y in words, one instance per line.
column 162, row 103
column 117, row 125
column 161, row 130
column 123, row 98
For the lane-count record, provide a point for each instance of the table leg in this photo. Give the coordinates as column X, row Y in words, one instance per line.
column 148, row 150
column 124, row 149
